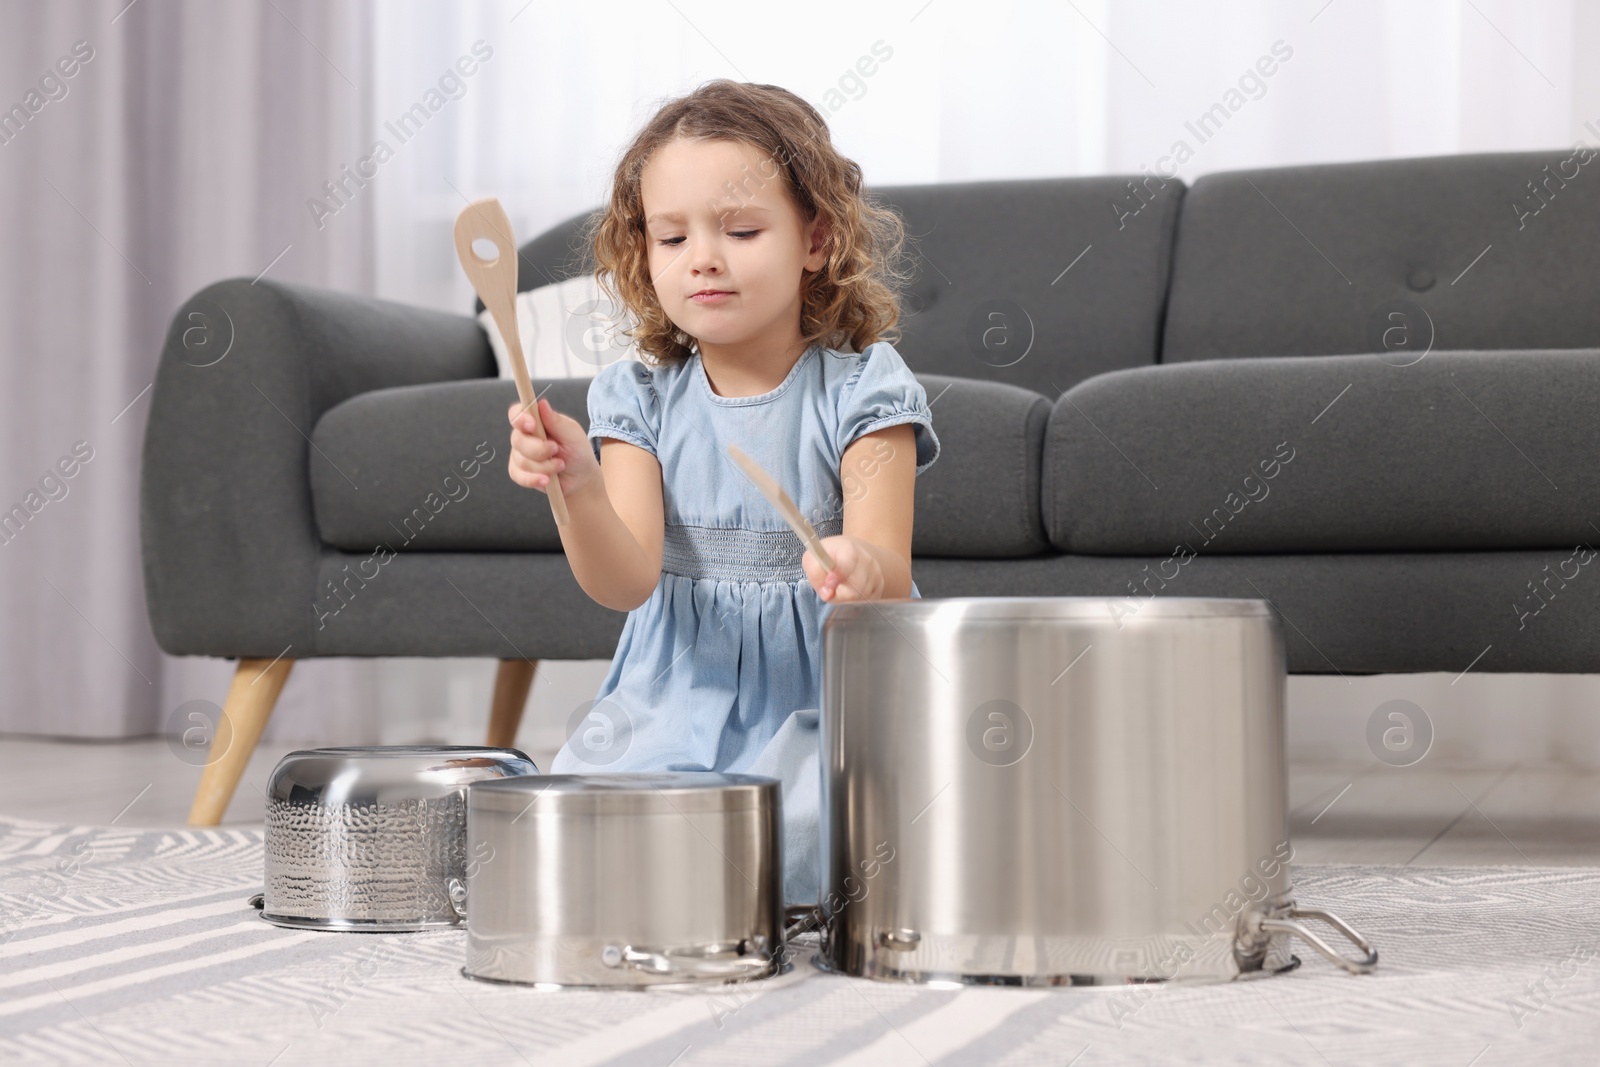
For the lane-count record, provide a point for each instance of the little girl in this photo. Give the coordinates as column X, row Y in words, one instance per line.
column 761, row 284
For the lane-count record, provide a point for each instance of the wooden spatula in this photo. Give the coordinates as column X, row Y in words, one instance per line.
column 774, row 492
column 496, row 283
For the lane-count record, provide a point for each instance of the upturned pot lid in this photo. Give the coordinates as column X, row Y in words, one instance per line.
column 659, row 793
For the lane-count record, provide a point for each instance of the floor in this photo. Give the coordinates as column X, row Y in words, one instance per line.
column 1340, row 813
column 137, row 946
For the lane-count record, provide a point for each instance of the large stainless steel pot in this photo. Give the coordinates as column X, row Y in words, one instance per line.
column 1058, row 791
column 625, row 880
column 369, row 837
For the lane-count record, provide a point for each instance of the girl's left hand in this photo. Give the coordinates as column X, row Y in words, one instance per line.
column 857, row 574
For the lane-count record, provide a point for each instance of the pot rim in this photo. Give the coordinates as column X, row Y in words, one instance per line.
column 387, row 774
column 625, row 793
column 1111, row 609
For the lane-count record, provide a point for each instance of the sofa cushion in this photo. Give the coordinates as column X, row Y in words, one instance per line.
column 1494, row 251
column 1341, row 613
column 1461, row 451
column 981, row 499
column 1038, row 283
column 568, row 330
column 424, row 468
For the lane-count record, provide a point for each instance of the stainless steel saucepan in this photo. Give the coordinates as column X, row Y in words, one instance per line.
column 1058, row 791
column 625, row 881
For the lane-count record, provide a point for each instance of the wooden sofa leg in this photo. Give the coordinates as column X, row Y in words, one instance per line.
column 512, row 681
column 251, row 698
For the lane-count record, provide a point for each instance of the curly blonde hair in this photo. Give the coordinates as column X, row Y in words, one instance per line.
column 852, row 301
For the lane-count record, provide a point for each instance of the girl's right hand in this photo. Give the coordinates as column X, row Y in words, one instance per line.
column 566, row 452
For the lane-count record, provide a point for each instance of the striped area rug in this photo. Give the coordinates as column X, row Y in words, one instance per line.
column 124, row 946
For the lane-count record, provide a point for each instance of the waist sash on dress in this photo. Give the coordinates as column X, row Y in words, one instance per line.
column 737, row 555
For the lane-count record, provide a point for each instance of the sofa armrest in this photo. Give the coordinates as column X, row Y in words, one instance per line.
column 229, row 541
column 1460, row 451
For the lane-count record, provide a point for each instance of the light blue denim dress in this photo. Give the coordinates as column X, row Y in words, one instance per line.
column 721, row 669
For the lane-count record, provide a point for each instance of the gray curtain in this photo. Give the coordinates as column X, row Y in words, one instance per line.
column 181, row 149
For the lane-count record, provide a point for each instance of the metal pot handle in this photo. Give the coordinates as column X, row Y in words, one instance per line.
column 1275, row 924
column 798, row 919
column 802, row 919
column 456, row 889
column 665, row 963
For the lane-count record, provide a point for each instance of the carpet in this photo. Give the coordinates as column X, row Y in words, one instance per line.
column 136, row 946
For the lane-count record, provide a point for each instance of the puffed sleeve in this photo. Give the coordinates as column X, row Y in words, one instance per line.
column 623, row 404
column 881, row 391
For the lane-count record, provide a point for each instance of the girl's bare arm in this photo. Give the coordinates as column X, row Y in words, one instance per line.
column 613, row 541
column 878, row 475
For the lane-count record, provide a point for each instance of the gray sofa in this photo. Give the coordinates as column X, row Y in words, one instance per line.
column 1365, row 392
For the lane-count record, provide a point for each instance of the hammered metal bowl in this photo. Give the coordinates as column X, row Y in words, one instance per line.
column 369, row 838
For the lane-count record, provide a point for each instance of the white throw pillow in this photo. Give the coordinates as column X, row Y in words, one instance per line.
column 569, row 330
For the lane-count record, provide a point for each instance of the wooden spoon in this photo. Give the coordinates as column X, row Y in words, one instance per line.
column 496, row 283
column 774, row 492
